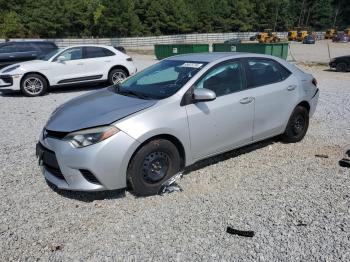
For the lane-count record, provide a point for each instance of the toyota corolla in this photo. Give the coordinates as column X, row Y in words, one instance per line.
column 143, row 131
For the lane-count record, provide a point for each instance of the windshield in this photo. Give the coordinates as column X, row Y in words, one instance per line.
column 160, row 80
column 51, row 54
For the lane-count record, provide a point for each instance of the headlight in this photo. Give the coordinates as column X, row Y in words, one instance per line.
column 91, row 136
column 11, row 69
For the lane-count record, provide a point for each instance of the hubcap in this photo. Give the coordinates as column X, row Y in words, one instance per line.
column 33, row 85
column 118, row 77
column 155, row 167
column 298, row 124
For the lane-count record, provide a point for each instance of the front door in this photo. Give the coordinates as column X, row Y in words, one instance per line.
column 227, row 121
column 69, row 71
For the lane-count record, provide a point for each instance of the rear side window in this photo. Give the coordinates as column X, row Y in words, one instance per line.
column 265, row 71
column 25, row 47
column 46, row 46
column 8, row 49
column 94, row 52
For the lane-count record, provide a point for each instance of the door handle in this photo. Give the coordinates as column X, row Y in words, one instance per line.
column 291, row 87
column 80, row 64
column 12, row 56
column 108, row 61
column 246, row 100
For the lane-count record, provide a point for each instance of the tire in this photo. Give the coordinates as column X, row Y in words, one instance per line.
column 341, row 67
column 152, row 165
column 297, row 126
column 116, row 76
column 34, row 85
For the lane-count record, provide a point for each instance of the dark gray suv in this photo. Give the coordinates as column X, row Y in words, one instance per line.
column 19, row 51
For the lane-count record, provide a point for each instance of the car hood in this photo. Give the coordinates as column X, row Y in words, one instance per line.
column 96, row 108
column 28, row 65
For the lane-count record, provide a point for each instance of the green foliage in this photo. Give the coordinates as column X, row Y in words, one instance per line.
column 121, row 18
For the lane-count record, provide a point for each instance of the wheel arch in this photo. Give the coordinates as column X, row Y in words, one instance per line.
column 304, row 104
column 119, row 67
column 170, row 138
column 37, row 73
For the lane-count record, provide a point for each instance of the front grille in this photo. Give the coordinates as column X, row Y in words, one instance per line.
column 54, row 134
column 89, row 176
column 49, row 161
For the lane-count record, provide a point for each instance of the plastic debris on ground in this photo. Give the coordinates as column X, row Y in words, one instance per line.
column 170, row 185
column 241, row 233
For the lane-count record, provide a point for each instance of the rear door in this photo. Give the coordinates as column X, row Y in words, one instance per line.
column 275, row 93
column 26, row 51
column 227, row 121
column 8, row 54
column 98, row 61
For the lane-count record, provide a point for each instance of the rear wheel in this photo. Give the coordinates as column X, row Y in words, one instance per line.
column 341, row 67
column 297, row 125
column 34, row 85
column 152, row 165
column 116, row 76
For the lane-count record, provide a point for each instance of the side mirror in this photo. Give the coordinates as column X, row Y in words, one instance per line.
column 61, row 59
column 203, row 94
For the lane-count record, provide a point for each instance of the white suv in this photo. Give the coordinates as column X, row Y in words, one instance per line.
column 68, row 66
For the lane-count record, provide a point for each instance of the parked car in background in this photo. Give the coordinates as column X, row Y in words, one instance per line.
column 68, row 66
column 341, row 37
column 233, row 41
column 341, row 63
column 181, row 110
column 309, row 40
column 19, row 51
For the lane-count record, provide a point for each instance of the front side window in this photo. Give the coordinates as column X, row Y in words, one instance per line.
column 224, row 79
column 25, row 47
column 8, row 49
column 161, row 80
column 73, row 54
column 265, row 72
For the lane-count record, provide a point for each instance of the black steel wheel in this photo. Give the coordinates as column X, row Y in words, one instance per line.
column 152, row 165
column 297, row 126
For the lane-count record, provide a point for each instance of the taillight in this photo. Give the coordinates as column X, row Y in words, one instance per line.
column 314, row 82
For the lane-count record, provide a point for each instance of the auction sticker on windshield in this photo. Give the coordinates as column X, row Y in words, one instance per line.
column 192, row 65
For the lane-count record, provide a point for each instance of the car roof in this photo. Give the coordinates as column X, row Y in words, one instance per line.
column 211, row 57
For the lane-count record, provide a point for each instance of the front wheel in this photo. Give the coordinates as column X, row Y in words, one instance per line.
column 116, row 76
column 34, row 85
column 297, row 125
column 152, row 165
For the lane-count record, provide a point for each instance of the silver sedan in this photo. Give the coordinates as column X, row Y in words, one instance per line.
column 183, row 109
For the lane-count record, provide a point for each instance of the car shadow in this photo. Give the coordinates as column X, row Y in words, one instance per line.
column 56, row 90
column 89, row 197
column 228, row 155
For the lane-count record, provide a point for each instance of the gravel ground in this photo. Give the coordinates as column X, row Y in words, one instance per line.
column 297, row 204
column 318, row 52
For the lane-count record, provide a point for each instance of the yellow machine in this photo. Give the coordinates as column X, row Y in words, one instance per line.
column 268, row 36
column 347, row 32
column 330, row 33
column 292, row 35
column 301, row 35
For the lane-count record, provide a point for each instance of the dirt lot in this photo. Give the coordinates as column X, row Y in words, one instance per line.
column 297, row 204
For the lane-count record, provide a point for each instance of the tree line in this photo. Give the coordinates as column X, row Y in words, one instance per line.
column 121, row 18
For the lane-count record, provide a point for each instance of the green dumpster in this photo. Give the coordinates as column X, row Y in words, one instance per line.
column 276, row 49
column 164, row 51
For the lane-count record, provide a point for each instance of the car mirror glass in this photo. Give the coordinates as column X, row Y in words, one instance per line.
column 61, row 59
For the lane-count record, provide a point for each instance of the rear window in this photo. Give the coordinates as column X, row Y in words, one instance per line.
column 265, row 71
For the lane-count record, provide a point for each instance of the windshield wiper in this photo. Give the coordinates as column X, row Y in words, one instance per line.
column 129, row 92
